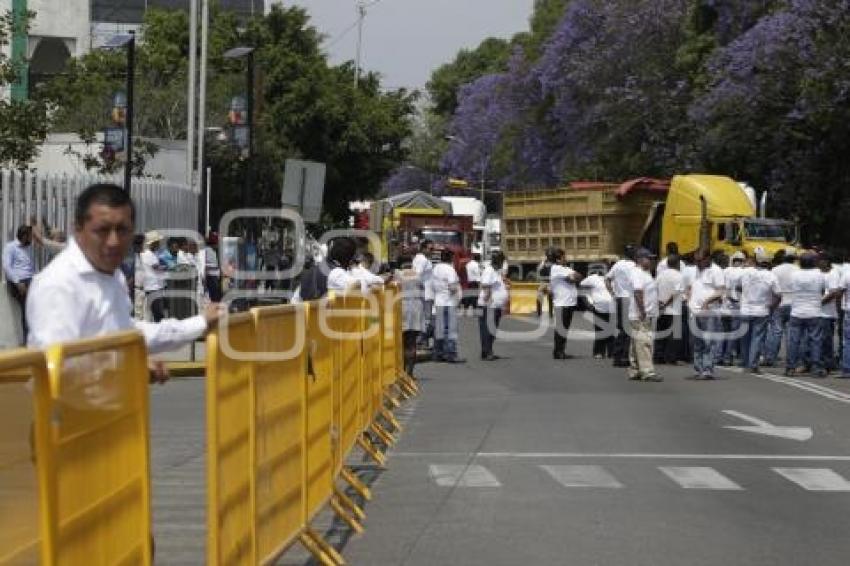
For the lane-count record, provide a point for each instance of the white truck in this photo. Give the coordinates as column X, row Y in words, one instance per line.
column 481, row 225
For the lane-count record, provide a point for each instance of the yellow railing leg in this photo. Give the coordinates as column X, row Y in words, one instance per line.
column 383, row 434
column 355, row 483
column 370, row 449
column 349, row 504
column 390, row 418
column 352, row 523
column 320, row 549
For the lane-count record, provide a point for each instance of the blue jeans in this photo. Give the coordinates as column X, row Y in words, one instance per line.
column 845, row 354
column 753, row 341
column 729, row 346
column 778, row 323
column 705, row 332
column 828, row 343
column 805, row 337
column 445, row 334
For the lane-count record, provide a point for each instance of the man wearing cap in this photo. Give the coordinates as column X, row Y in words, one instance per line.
column 705, row 297
column 643, row 312
column 619, row 279
column 760, row 296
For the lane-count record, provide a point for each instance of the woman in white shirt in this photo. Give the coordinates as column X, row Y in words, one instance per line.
column 562, row 282
column 491, row 300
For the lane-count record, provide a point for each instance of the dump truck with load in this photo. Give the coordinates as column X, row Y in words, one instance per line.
column 593, row 222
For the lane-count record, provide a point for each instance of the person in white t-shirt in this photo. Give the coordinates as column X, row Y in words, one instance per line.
column 664, row 264
column 447, row 294
column 602, row 306
column 473, row 281
column 562, row 283
column 731, row 311
column 340, row 258
column 845, row 334
column 671, row 291
column 805, row 339
column 619, row 284
column 704, row 300
column 829, row 310
column 760, row 296
column 492, row 299
column 424, row 270
column 643, row 312
column 362, row 272
column 785, row 267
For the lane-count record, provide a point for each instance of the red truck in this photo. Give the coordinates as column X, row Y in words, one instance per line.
column 447, row 232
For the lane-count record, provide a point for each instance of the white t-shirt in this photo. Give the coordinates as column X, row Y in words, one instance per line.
column 425, row 271
column 807, row 289
column 152, row 279
column 833, row 283
column 758, row 289
column 340, row 279
column 732, row 301
column 498, row 291
column 598, row 296
column 473, row 272
column 564, row 291
column 366, row 277
column 661, row 267
column 689, row 273
column 643, row 281
column 846, row 284
column 443, row 278
column 621, row 276
column 671, row 283
column 783, row 273
column 706, row 283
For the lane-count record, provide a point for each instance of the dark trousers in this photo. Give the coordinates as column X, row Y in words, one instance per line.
column 686, row 353
column 488, row 324
column 213, row 284
column 470, row 296
column 21, row 299
column 563, row 319
column 621, row 342
column 668, row 342
column 603, row 338
column 156, row 302
column 409, row 338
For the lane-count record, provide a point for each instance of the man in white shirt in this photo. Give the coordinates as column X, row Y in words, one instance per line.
column 362, row 272
column 602, row 306
column 664, row 264
column 731, row 311
column 492, row 300
column 671, row 290
column 209, row 269
column 562, row 282
column 643, row 312
column 19, row 269
column 829, row 310
column 340, row 259
column 760, row 296
column 473, row 281
column 619, row 285
column 845, row 338
column 689, row 274
column 424, row 270
column 153, row 276
column 805, row 339
column 83, row 294
column 447, row 294
column 705, row 297
column 785, row 267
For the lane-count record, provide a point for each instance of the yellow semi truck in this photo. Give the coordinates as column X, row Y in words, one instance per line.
column 592, row 222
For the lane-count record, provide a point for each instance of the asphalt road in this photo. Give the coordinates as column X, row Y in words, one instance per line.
column 532, row 460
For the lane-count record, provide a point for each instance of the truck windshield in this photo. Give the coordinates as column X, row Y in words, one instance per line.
column 444, row 237
column 765, row 231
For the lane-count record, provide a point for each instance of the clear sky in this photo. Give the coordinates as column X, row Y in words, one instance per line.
column 405, row 40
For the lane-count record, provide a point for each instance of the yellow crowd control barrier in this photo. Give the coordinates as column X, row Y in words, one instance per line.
column 19, row 494
column 524, row 298
column 93, row 454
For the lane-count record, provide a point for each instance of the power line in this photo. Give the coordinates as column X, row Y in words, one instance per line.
column 343, row 33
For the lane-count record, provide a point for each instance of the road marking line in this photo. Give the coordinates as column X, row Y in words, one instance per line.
column 462, row 476
column 700, row 478
column 815, row 479
column 627, row 456
column 817, row 389
column 582, row 476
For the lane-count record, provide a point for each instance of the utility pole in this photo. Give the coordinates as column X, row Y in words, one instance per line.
column 202, row 91
column 131, row 71
column 361, row 15
column 190, row 123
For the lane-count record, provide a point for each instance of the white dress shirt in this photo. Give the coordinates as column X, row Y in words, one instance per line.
column 444, row 280
column 425, row 271
column 71, row 300
column 642, row 280
column 17, row 262
column 758, row 289
column 708, row 283
column 367, row 278
column 671, row 285
column 492, row 280
column 784, row 272
column 807, row 290
column 562, row 284
column 473, row 272
column 340, row 279
column 621, row 275
column 598, row 296
column 153, row 279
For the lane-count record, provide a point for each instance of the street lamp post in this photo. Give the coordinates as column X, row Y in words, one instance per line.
column 248, row 54
column 128, row 43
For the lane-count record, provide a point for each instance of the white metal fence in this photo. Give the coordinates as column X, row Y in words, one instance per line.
column 27, row 197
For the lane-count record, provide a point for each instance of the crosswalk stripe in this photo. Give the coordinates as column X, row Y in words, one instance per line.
column 699, row 478
column 815, row 479
column 447, row 475
column 582, row 476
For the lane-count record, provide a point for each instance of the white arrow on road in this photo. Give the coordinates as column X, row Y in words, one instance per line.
column 758, row 426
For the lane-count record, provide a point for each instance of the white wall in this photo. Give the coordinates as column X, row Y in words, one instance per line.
column 67, row 19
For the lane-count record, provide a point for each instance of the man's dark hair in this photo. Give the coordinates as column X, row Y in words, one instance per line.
column 808, row 261
column 369, row 258
column 673, row 261
column 109, row 194
column 672, row 248
column 559, row 254
column 424, row 244
column 629, row 251
column 476, row 257
column 446, row 255
column 342, row 251
column 497, row 259
column 23, row 230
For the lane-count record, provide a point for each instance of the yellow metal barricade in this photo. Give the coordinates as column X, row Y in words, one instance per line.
column 19, row 494
column 320, row 458
column 231, row 537
column 524, row 298
column 347, row 320
column 373, row 334
column 280, row 398
column 95, row 455
column 389, row 371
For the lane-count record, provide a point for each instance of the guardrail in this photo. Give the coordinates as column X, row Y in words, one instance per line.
column 290, row 392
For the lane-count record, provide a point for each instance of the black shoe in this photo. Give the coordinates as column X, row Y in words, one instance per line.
column 455, row 361
column 559, row 356
column 621, row 364
column 491, row 358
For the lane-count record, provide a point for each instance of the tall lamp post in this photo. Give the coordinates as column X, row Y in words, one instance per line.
column 247, row 53
column 128, row 43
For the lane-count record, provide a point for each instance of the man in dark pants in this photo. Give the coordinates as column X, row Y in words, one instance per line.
column 491, row 300
column 19, row 268
column 618, row 281
column 562, row 282
column 671, row 290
